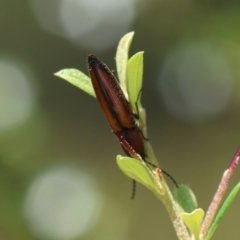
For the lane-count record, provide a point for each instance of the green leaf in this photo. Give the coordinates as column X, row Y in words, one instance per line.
column 223, row 210
column 122, row 59
column 134, row 79
column 184, row 196
column 193, row 221
column 136, row 170
column 78, row 79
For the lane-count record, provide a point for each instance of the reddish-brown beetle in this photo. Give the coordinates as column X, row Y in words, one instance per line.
column 118, row 111
column 115, row 106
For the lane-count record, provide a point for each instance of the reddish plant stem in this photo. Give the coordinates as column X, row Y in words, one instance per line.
column 219, row 195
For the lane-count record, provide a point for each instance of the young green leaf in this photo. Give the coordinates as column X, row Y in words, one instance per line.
column 78, row 79
column 122, row 59
column 136, row 170
column 193, row 221
column 134, row 79
column 223, row 210
column 184, row 196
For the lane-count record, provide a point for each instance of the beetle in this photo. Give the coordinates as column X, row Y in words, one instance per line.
column 118, row 112
column 115, row 106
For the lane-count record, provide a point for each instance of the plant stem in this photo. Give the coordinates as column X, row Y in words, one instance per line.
column 166, row 197
column 218, row 196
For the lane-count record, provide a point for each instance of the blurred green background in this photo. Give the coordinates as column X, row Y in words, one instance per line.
column 58, row 173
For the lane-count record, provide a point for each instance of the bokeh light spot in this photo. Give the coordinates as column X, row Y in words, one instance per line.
column 87, row 23
column 17, row 95
column 62, row 204
column 196, row 82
